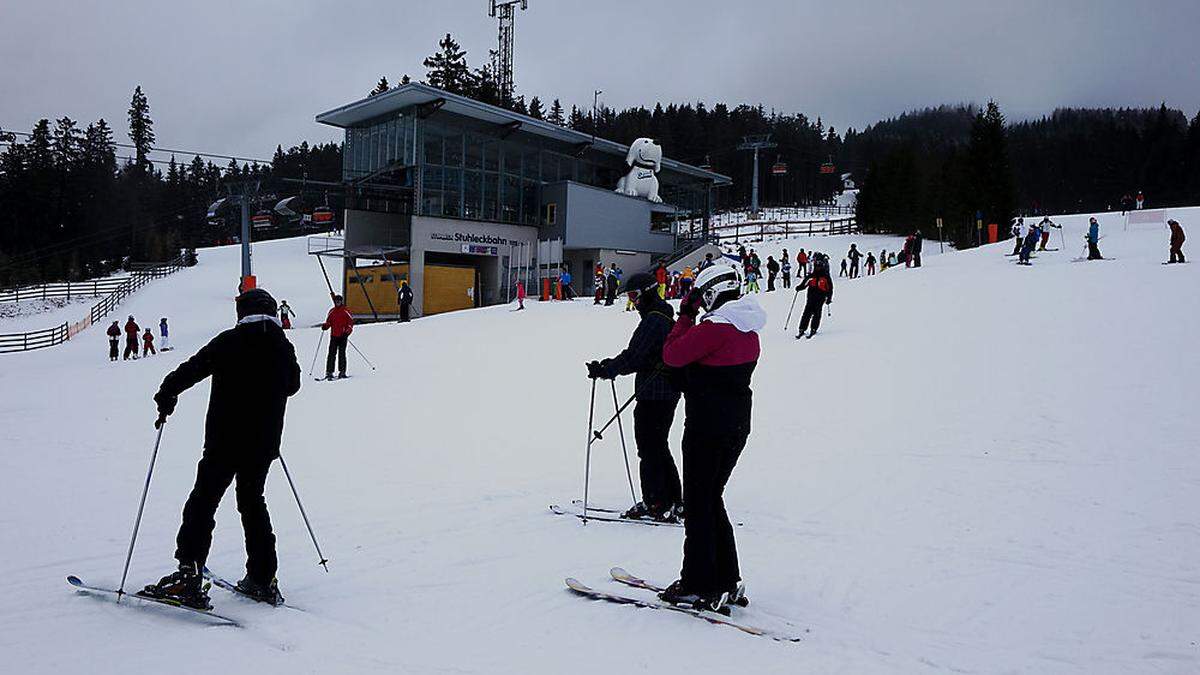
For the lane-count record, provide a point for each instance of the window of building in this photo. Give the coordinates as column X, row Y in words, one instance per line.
column 550, row 214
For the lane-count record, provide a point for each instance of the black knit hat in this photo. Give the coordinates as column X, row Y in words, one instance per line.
column 255, row 301
column 641, row 282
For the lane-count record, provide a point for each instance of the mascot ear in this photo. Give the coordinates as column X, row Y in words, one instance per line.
column 658, row 161
column 631, row 156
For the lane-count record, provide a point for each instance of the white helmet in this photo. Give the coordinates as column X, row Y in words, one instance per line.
column 716, row 281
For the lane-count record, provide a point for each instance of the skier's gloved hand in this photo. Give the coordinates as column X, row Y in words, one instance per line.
column 690, row 307
column 162, row 419
column 606, row 370
column 594, row 370
column 166, row 404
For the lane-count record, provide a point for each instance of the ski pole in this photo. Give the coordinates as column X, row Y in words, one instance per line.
column 599, row 435
column 624, row 449
column 141, row 505
column 316, row 354
column 587, row 466
column 790, row 309
column 364, row 356
column 322, row 559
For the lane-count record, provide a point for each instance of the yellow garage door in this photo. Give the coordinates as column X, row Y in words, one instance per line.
column 380, row 288
column 448, row 288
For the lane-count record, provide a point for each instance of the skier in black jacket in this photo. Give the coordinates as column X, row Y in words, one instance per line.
column 916, row 248
column 657, row 398
column 254, row 371
column 820, row 292
column 404, row 298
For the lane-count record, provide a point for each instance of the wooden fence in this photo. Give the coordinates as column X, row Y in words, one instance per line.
column 49, row 337
column 68, row 289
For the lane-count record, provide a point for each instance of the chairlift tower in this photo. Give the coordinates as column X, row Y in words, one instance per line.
column 505, row 11
column 755, row 143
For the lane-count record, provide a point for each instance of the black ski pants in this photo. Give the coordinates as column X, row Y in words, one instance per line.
column 337, row 348
column 713, row 438
column 812, row 313
column 854, row 268
column 787, row 279
column 1177, row 253
column 213, row 476
column 131, row 347
column 656, row 467
column 113, row 348
column 1093, row 251
column 404, row 311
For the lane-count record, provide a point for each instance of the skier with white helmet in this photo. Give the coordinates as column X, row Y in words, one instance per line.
column 717, row 353
column 657, row 398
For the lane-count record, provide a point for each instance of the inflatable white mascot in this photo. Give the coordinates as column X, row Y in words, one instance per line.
column 644, row 160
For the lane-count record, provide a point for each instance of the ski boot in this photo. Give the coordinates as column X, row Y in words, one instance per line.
column 341, row 376
column 677, row 594
column 268, row 593
column 639, row 511
column 737, row 594
column 329, row 377
column 185, row 586
column 673, row 514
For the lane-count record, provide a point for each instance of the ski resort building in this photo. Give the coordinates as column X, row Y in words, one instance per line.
column 462, row 199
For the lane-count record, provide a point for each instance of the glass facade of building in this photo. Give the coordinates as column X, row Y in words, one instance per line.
column 458, row 168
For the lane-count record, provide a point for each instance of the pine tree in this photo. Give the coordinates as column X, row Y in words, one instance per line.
column 518, row 105
column 99, row 150
column 486, row 89
column 556, row 114
column 66, row 143
column 448, row 68
column 990, row 168
column 535, row 108
column 380, row 87
column 405, row 79
column 141, row 130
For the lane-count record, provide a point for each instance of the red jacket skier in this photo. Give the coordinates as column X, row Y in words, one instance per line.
column 340, row 324
column 131, row 339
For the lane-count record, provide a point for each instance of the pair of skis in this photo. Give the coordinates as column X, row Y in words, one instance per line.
column 619, row 575
column 611, row 515
column 213, row 580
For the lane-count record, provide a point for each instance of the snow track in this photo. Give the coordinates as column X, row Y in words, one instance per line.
column 975, row 468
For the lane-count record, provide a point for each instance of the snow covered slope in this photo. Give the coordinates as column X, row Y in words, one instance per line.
column 975, row 466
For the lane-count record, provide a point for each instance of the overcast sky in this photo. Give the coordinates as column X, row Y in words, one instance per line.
column 240, row 77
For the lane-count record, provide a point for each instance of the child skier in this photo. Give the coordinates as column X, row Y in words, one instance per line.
column 751, row 280
column 285, row 315
column 148, row 343
column 131, row 339
column 870, row 263
column 718, row 353
column 820, row 292
column 254, row 371
column 164, row 331
column 843, row 272
column 114, row 340
column 657, row 397
column 520, row 294
column 785, row 266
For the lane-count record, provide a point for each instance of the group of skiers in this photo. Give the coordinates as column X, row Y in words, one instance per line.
column 1030, row 238
column 133, row 332
column 707, row 355
column 1131, row 203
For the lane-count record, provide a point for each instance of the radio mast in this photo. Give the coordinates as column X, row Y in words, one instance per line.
column 505, row 10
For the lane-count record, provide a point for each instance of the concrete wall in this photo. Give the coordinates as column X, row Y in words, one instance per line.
column 368, row 228
column 487, row 244
column 597, row 218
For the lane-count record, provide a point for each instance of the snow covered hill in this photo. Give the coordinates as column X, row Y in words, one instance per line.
column 975, row 466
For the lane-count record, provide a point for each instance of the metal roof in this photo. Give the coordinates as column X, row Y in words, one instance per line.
column 415, row 93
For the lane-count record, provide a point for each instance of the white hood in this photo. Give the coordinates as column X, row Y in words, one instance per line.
column 745, row 314
column 255, row 318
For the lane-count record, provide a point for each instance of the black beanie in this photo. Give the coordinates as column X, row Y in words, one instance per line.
column 255, row 301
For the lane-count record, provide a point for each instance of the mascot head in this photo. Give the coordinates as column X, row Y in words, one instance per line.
column 646, row 153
